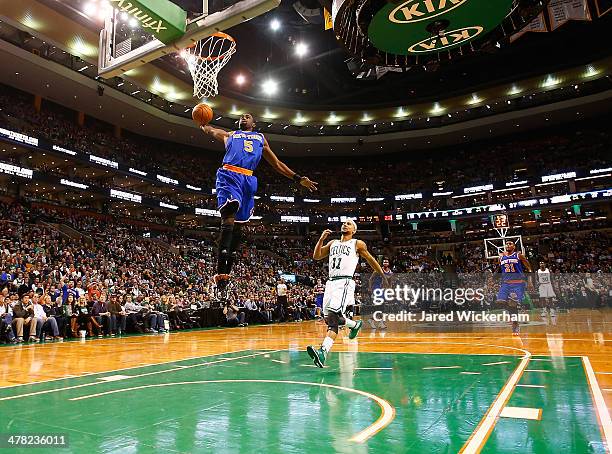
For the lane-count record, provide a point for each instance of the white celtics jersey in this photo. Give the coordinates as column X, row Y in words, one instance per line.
column 343, row 258
column 544, row 276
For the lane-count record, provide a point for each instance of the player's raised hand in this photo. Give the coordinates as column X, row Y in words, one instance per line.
column 325, row 234
column 309, row 184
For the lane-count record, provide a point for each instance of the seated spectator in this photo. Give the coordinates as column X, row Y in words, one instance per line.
column 23, row 316
column 134, row 314
column 253, row 314
column 302, row 311
column 177, row 314
column 82, row 316
column 70, row 312
column 56, row 312
column 152, row 317
column 6, row 318
column 161, row 310
column 117, row 316
column 101, row 314
column 44, row 323
column 233, row 316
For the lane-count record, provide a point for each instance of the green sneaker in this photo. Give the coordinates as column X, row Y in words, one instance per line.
column 318, row 356
column 355, row 330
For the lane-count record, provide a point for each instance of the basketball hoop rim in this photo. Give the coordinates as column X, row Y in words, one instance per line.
column 218, row 57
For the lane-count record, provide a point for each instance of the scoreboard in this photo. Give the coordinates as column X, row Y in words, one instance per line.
column 500, row 221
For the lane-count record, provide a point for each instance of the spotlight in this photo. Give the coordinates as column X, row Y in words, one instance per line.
column 90, row 9
column 133, row 23
column 301, row 49
column 270, row 87
column 274, row 25
column 240, row 79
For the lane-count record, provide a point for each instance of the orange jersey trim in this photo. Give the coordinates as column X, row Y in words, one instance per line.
column 237, row 169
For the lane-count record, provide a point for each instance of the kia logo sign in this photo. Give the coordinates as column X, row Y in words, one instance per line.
column 448, row 39
column 417, row 10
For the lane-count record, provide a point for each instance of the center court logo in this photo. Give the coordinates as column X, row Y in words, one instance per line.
column 417, row 10
column 449, row 39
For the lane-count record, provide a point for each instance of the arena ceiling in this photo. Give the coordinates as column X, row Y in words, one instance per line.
column 320, row 81
column 340, row 114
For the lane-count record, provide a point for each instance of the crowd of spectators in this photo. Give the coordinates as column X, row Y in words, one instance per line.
column 109, row 279
column 525, row 158
column 111, row 276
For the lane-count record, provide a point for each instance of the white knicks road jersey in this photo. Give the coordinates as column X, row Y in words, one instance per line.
column 343, row 258
column 543, row 276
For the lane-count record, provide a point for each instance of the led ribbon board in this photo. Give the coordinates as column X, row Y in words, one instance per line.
column 409, row 26
column 163, row 19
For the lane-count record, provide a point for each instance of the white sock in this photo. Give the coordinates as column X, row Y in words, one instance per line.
column 350, row 323
column 327, row 344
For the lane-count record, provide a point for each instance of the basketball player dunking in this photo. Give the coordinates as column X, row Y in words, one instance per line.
column 512, row 289
column 236, row 186
column 340, row 287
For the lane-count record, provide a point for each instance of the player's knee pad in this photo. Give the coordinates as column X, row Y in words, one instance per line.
column 229, row 209
column 333, row 321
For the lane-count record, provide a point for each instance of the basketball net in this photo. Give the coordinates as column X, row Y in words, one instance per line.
column 205, row 59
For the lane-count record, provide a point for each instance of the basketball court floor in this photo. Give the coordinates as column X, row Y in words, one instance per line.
column 255, row 390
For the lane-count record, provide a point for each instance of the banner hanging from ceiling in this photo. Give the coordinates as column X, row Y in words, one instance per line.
column 537, row 25
column 328, row 19
column 562, row 11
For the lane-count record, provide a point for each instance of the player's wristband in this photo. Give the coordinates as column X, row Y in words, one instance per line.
column 297, row 178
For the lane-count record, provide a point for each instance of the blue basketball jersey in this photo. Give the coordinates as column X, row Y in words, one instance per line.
column 244, row 149
column 377, row 280
column 511, row 266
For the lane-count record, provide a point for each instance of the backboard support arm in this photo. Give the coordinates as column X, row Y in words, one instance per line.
column 197, row 29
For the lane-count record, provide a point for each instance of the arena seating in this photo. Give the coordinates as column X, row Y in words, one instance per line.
column 170, row 273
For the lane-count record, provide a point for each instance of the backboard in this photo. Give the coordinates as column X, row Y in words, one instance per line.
column 139, row 31
column 495, row 246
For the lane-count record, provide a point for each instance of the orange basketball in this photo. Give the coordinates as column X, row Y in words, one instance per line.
column 202, row 114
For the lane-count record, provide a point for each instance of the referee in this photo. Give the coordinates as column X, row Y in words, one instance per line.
column 281, row 300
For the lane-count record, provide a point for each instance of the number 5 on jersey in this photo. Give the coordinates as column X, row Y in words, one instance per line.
column 248, row 146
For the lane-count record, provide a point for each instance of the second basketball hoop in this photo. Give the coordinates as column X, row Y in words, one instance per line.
column 205, row 59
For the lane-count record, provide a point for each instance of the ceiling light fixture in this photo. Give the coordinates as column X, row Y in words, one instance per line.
column 301, row 49
column 269, row 87
column 275, row 25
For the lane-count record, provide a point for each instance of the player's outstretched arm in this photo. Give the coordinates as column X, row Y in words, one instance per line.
column 320, row 251
column 525, row 262
column 527, row 266
column 282, row 168
column 215, row 133
column 363, row 252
